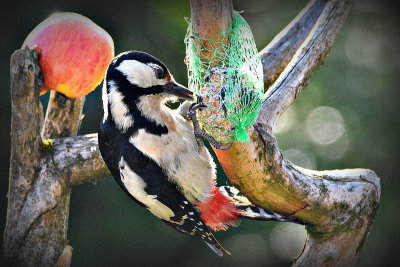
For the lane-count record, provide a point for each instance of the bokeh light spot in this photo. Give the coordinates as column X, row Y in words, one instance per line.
column 325, row 125
column 363, row 48
column 336, row 150
column 287, row 240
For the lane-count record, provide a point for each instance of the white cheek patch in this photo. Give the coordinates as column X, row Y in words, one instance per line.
column 135, row 186
column 119, row 110
column 139, row 74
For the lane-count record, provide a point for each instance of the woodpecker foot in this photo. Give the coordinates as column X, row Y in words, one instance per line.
column 198, row 132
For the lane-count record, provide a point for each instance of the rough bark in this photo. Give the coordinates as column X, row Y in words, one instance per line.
column 341, row 204
column 25, row 145
column 209, row 17
column 63, row 116
column 217, row 16
column 41, row 173
column 78, row 157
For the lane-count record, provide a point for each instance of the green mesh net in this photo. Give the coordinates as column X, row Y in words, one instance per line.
column 225, row 74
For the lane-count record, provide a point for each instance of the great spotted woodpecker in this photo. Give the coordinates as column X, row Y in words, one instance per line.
column 152, row 153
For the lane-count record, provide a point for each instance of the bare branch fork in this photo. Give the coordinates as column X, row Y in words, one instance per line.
column 341, row 205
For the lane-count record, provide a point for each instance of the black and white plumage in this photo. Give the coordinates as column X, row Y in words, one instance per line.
column 150, row 150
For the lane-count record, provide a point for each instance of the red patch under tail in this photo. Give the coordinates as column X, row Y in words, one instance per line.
column 218, row 212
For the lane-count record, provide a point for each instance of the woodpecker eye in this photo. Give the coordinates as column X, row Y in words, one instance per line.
column 159, row 73
column 158, row 70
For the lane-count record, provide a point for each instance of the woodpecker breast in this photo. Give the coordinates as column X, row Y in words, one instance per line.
column 177, row 152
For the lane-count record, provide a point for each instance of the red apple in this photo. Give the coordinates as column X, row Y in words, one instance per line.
column 74, row 53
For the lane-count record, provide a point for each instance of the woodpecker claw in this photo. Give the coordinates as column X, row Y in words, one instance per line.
column 198, row 132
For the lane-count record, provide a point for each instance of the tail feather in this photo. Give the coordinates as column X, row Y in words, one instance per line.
column 217, row 248
column 250, row 211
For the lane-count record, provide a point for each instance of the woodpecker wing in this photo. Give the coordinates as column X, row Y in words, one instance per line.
column 145, row 181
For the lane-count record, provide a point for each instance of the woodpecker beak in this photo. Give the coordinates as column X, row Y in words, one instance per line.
column 178, row 90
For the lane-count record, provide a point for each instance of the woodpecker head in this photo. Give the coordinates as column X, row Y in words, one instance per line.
column 137, row 83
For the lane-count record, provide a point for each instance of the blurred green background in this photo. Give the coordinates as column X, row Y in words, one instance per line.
column 348, row 117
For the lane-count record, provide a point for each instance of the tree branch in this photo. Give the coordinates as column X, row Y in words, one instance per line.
column 341, row 205
column 277, row 54
column 215, row 15
column 307, row 59
column 79, row 157
column 39, row 190
column 25, row 142
column 63, row 116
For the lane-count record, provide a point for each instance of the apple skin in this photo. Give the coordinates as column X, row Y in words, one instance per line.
column 74, row 53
